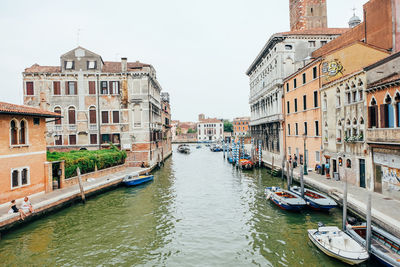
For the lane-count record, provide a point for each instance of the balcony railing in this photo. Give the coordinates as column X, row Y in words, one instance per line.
column 72, row 127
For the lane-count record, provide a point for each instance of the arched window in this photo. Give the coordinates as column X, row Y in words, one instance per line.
column 397, row 100
column 372, row 114
column 71, row 115
column 13, row 132
column 361, row 120
column 58, row 111
column 22, row 132
column 92, row 115
column 387, row 113
column 348, row 163
column 338, row 100
column 15, row 178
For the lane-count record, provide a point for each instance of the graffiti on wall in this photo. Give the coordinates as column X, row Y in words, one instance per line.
column 391, row 177
column 332, row 68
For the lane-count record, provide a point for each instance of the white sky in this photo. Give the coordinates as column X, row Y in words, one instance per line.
column 200, row 49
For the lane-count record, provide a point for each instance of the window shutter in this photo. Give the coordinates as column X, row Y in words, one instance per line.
column 382, row 115
column 118, row 85
column 29, row 88
column 371, row 110
column 115, row 116
column 92, row 116
column 104, row 116
column 93, row 139
column 66, row 88
column 71, row 116
column 56, row 88
column 76, row 87
column 92, row 88
column 111, row 88
column 376, row 118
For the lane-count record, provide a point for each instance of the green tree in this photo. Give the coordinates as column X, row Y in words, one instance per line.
column 228, row 127
column 191, row 131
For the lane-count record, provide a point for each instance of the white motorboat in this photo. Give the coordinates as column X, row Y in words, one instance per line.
column 337, row 244
column 284, row 199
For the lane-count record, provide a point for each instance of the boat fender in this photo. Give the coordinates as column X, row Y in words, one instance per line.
column 308, row 203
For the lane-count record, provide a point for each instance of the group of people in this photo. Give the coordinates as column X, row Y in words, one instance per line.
column 294, row 162
column 25, row 209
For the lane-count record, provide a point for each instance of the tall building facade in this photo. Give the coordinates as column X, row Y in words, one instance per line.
column 307, row 14
column 282, row 55
column 166, row 125
column 101, row 102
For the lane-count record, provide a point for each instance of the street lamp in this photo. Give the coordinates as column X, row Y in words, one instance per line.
column 305, row 156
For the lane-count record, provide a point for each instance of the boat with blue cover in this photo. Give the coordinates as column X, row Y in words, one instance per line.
column 315, row 200
column 136, row 179
column 284, row 199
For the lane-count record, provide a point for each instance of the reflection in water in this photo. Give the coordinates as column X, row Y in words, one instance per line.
column 199, row 211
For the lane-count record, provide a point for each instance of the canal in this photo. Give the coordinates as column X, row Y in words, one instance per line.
column 199, row 211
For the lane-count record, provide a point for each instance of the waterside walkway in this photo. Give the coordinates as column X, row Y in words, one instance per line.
column 44, row 203
column 385, row 211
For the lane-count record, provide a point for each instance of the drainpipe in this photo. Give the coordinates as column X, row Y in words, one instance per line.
column 98, row 110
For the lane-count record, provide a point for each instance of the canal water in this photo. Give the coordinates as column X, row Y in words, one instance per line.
column 199, row 211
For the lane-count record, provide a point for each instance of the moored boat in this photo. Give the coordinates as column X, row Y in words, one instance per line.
column 136, row 179
column 246, row 164
column 337, row 244
column 315, row 200
column 185, row 149
column 384, row 246
column 284, row 199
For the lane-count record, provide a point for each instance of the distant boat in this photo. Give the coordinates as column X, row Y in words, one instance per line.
column 230, row 159
column 315, row 200
column 337, row 244
column 135, row 179
column 185, row 149
column 384, row 246
column 284, row 199
column 199, row 146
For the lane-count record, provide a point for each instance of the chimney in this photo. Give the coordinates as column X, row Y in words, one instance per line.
column 124, row 64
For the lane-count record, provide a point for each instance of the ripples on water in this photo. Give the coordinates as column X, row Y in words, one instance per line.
column 199, row 211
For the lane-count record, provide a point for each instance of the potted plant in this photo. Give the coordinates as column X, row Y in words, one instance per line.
column 338, row 139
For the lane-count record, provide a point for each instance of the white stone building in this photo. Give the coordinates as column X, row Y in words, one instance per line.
column 101, row 102
column 210, row 130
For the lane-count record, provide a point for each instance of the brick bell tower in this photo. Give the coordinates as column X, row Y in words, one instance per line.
column 307, row 14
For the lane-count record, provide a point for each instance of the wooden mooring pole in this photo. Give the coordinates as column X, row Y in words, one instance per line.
column 368, row 237
column 345, row 204
column 302, row 181
column 78, row 171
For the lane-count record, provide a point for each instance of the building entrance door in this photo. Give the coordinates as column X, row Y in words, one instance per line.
column 334, row 167
column 378, row 179
column 362, row 173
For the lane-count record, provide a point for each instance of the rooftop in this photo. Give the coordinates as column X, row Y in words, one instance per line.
column 13, row 109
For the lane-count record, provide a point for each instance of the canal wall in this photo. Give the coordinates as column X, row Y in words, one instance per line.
column 45, row 204
column 384, row 210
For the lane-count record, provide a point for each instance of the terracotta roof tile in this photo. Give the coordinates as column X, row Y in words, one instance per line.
column 8, row 108
column 37, row 68
column 388, row 79
column 211, row 120
column 112, row 66
column 317, row 31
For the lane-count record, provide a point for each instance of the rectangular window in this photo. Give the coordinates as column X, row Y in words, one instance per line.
column 305, row 128
column 287, row 87
column 297, row 128
column 72, row 139
column 288, row 127
column 294, row 83
column 29, row 88
column 104, row 117
column 373, row 116
column 36, row 121
column 69, row 65
column 105, row 138
column 56, row 88
column 311, row 43
column 92, row 87
column 24, row 176
column 15, row 178
column 304, row 102
column 114, row 88
column 91, row 65
column 115, row 115
column 323, row 43
column 316, row 123
column 315, row 99
column 295, row 105
column 71, row 88
column 92, row 116
column 304, row 78
column 314, row 73
column 93, row 139
column 317, row 156
column 104, row 88
column 19, row 177
column 116, row 139
column 288, row 106
column 58, row 140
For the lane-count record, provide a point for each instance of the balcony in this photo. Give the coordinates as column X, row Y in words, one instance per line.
column 383, row 135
